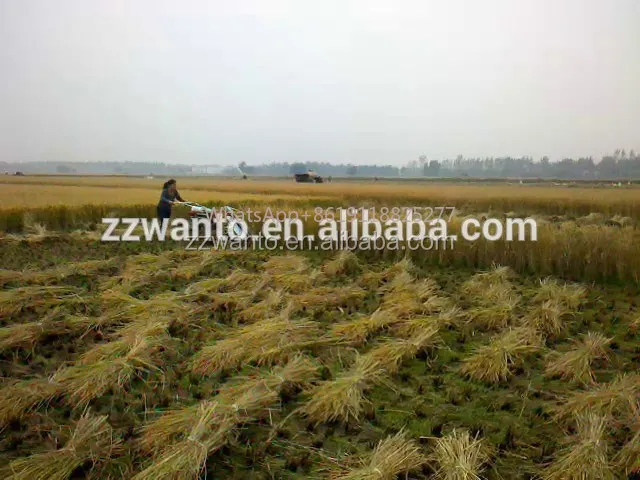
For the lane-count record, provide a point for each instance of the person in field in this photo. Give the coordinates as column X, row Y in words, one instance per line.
column 168, row 197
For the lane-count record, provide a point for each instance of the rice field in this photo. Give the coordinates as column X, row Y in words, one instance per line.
column 544, row 198
column 146, row 361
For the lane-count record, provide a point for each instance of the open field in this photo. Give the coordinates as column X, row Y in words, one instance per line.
column 494, row 360
column 505, row 198
column 33, row 196
column 584, row 233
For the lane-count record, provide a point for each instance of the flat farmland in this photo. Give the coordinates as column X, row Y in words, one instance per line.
column 491, row 360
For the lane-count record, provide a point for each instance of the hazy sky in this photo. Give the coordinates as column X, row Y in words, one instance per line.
column 365, row 81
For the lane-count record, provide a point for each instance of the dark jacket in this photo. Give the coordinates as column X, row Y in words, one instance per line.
column 164, row 207
column 166, row 197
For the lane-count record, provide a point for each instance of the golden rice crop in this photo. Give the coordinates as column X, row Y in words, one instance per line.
column 548, row 318
column 442, row 317
column 343, row 398
column 264, row 341
column 405, row 296
column 619, row 397
column 390, row 354
column 568, row 295
column 484, row 287
column 265, row 308
column 92, row 441
column 237, row 280
column 494, row 362
column 499, row 315
column 59, row 273
column 459, row 456
column 628, row 458
column 36, row 298
column 286, row 264
column 8, row 277
column 151, row 333
column 19, row 397
column 86, row 381
column 345, row 263
column 503, row 197
column 494, row 296
column 438, row 304
column 120, row 307
column 237, row 291
column 403, row 266
column 138, row 270
column 586, row 456
column 323, row 298
column 211, row 423
column 186, row 458
column 593, row 252
column 298, row 371
column 360, row 330
column 575, row 364
column 392, row 456
column 26, row 335
column 166, row 429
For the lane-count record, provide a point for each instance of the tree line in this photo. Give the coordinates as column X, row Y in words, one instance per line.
column 619, row 165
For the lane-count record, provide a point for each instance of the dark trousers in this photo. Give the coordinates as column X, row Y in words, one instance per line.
column 164, row 211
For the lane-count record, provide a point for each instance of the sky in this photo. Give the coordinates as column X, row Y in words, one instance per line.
column 344, row 81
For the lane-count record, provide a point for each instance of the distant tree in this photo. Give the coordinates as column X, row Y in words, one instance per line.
column 65, row 169
column 352, row 170
column 432, row 169
column 608, row 166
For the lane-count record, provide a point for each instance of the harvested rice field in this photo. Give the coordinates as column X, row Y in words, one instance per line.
column 146, row 361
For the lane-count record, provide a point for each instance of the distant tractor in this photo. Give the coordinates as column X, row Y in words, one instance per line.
column 309, row 177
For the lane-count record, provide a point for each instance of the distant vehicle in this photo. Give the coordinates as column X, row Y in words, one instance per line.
column 309, row 177
column 19, row 174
